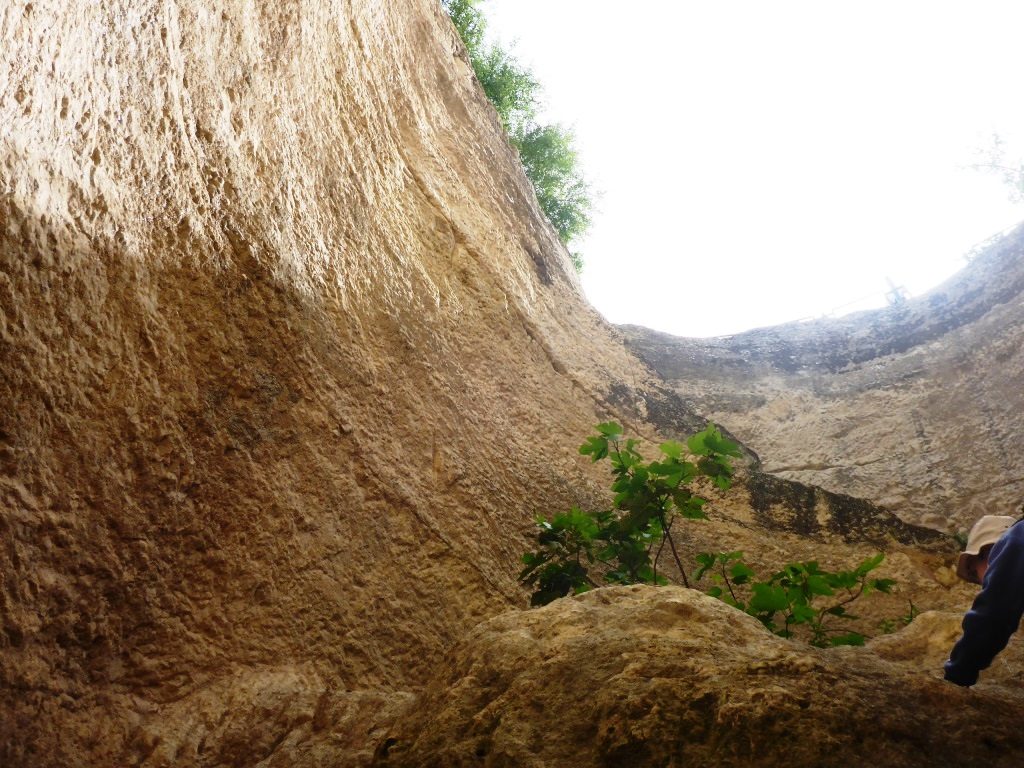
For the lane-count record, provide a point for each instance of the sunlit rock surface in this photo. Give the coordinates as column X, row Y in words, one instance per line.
column 642, row 676
column 917, row 407
column 289, row 360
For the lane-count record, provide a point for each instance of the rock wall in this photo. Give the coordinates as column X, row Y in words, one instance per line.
column 917, row 407
column 289, row 359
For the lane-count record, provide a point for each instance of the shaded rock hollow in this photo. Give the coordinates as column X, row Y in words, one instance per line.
column 289, row 359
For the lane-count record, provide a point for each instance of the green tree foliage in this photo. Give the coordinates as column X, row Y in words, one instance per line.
column 623, row 544
column 551, row 164
column 469, row 21
column 510, row 88
column 800, row 596
column 547, row 152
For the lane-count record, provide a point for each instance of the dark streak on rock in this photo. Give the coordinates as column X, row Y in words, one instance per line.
column 793, row 506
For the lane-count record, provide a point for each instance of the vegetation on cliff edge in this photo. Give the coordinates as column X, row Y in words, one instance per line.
column 547, row 152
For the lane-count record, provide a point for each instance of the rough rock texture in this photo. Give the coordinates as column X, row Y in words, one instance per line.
column 289, row 360
column 917, row 407
column 639, row 676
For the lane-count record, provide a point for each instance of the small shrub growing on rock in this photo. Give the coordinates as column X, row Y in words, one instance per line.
column 889, row 626
column 801, row 595
column 623, row 544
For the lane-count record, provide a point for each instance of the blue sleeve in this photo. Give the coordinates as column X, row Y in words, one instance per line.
column 996, row 612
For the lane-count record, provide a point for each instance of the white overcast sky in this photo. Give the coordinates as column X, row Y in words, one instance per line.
column 761, row 162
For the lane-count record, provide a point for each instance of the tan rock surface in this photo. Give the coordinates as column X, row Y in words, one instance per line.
column 916, row 407
column 640, row 676
column 289, row 360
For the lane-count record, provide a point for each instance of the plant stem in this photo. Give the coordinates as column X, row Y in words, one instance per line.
column 667, row 534
column 728, row 584
column 657, row 555
column 825, row 611
column 847, row 601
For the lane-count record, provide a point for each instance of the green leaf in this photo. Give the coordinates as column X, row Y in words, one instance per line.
column 580, row 523
column 803, row 614
column 595, row 447
column 692, row 507
column 671, row 471
column 610, row 430
column 768, row 599
column 706, row 561
column 718, row 470
column 741, row 573
column 721, row 445
column 672, row 449
column 645, row 573
column 869, row 564
column 884, row 585
column 710, row 441
column 697, row 443
column 818, row 585
column 843, row 579
column 851, row 638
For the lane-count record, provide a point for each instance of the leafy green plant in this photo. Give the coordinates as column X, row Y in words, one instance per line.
column 547, row 152
column 623, row 544
column 800, row 596
column 727, row 572
column 891, row 625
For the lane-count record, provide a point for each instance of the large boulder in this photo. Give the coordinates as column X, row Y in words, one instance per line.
column 643, row 676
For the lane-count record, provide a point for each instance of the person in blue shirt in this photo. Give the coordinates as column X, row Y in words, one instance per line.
column 993, row 558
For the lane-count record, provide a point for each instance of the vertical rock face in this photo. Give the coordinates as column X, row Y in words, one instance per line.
column 917, row 407
column 288, row 361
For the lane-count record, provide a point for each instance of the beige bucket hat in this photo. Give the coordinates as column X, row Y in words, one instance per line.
column 986, row 531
